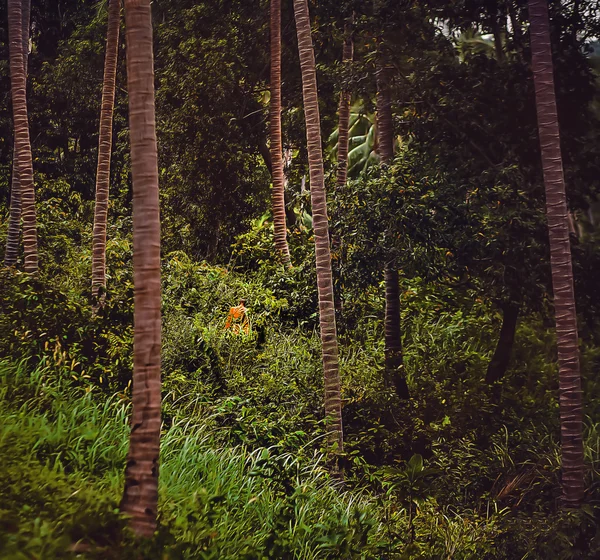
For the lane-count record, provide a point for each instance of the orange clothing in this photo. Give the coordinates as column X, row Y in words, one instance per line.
column 237, row 320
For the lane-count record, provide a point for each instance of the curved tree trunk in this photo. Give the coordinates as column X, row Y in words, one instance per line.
column 14, row 221
column 333, row 400
column 22, row 141
column 277, row 172
column 344, row 110
column 501, row 358
column 104, row 153
column 141, row 475
column 560, row 256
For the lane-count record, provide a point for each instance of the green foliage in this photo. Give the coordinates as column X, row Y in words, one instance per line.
column 461, row 470
column 215, row 502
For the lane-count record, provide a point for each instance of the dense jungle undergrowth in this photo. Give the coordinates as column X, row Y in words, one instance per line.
column 461, row 470
column 430, row 170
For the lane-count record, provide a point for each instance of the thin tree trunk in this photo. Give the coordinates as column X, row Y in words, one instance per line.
column 14, row 222
column 385, row 123
column 501, row 358
column 344, row 109
column 22, row 141
column 104, row 154
column 140, row 496
column 394, row 366
column 394, row 363
column 333, row 401
column 278, row 176
column 560, row 256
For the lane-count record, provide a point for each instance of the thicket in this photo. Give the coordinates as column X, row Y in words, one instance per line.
column 459, row 471
column 463, row 469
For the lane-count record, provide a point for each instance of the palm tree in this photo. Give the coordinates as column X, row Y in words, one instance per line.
column 344, row 110
column 104, row 153
column 140, row 496
column 14, row 222
column 279, row 224
column 22, row 141
column 362, row 141
column 394, row 364
column 333, row 400
column 560, row 257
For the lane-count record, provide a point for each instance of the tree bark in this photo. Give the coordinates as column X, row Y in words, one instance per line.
column 394, row 363
column 140, row 496
column 14, row 221
column 560, row 255
column 344, row 109
column 384, row 117
column 501, row 358
column 104, row 154
column 25, row 192
column 277, row 172
column 333, row 401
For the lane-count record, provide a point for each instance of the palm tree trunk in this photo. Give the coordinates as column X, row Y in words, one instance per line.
column 141, row 475
column 394, row 363
column 279, row 224
column 560, row 257
column 14, row 221
column 22, row 141
column 333, row 400
column 385, row 123
column 104, row 153
column 344, row 109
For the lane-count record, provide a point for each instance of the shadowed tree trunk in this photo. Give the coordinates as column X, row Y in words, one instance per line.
column 385, row 125
column 394, row 363
column 140, row 496
column 501, row 358
column 333, row 400
column 344, row 109
column 104, row 153
column 277, row 172
column 560, row 257
column 394, row 366
column 22, row 141
column 14, row 222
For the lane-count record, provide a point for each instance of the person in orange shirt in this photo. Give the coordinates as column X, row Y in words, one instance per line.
column 237, row 319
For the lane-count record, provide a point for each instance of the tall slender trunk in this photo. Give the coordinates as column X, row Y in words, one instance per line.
column 22, row 141
column 104, row 153
column 344, row 109
column 140, row 496
column 560, row 256
column 333, row 400
column 385, row 123
column 14, row 221
column 278, row 176
column 394, row 363
column 501, row 358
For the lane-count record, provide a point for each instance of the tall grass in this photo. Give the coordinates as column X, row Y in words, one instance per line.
column 215, row 501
